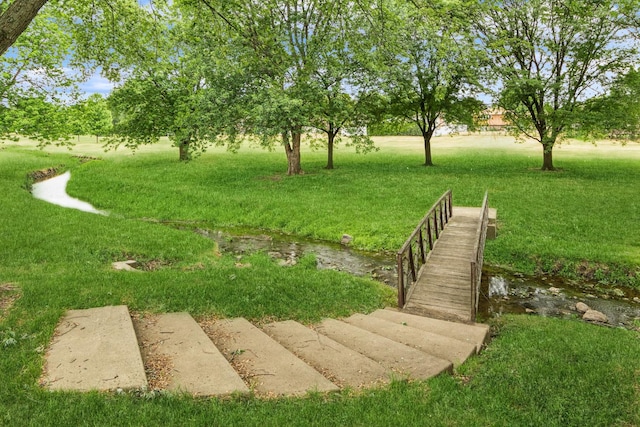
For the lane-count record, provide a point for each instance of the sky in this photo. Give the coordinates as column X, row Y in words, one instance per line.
column 96, row 84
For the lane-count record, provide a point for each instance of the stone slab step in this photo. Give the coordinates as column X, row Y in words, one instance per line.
column 337, row 362
column 270, row 368
column 192, row 362
column 475, row 334
column 399, row 358
column 95, row 349
column 437, row 345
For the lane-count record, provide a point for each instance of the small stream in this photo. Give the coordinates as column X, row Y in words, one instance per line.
column 502, row 291
column 289, row 249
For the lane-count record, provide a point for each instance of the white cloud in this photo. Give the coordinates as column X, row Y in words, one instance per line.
column 96, row 84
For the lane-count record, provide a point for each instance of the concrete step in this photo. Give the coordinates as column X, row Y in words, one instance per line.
column 270, row 368
column 403, row 360
column 475, row 333
column 95, row 349
column 437, row 345
column 191, row 362
column 337, row 362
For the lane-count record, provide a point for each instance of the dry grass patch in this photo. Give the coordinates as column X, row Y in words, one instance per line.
column 9, row 294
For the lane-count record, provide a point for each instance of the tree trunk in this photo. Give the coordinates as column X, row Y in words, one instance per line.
column 184, row 150
column 16, row 19
column 547, row 156
column 426, row 135
column 97, row 139
column 292, row 148
column 331, row 137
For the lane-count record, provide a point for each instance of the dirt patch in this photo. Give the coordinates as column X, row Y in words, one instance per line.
column 43, row 174
column 157, row 366
column 274, row 178
column 85, row 159
column 9, row 294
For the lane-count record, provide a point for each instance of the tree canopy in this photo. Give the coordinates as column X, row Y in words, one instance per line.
column 429, row 64
column 204, row 72
column 551, row 56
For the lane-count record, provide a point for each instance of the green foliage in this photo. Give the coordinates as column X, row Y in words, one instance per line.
column 35, row 80
column 291, row 63
column 535, row 370
column 615, row 115
column 35, row 118
column 394, row 128
column 551, row 56
column 428, row 64
column 98, row 116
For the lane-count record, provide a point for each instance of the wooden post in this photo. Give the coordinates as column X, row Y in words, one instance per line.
column 400, row 281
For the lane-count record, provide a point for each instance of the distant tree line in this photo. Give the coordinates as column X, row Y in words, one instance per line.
column 214, row 72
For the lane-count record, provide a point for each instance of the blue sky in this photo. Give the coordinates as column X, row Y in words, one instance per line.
column 97, row 84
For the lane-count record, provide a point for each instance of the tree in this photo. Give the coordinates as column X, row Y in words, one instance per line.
column 341, row 89
column 429, row 64
column 99, row 121
column 34, row 78
column 37, row 119
column 15, row 19
column 164, row 87
column 615, row 115
column 282, row 48
column 551, row 56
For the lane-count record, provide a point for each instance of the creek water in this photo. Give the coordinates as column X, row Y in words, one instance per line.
column 502, row 291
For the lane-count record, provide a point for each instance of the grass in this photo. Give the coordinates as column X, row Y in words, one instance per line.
column 537, row 371
column 581, row 219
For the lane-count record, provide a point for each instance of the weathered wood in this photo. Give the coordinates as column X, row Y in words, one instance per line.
column 413, row 255
column 447, row 284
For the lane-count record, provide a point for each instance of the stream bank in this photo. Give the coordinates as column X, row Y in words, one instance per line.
column 502, row 291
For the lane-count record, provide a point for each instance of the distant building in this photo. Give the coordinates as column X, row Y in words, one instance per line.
column 494, row 119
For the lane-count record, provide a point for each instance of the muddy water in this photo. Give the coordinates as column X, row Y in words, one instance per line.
column 289, row 249
column 502, row 292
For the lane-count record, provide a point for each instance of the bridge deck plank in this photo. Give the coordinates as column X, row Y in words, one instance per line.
column 445, row 283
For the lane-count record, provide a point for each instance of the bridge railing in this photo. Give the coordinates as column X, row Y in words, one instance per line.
column 415, row 250
column 478, row 255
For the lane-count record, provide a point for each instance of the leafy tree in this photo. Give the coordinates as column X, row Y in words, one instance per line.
column 615, row 115
column 429, row 64
column 76, row 119
column 293, row 56
column 36, row 68
column 35, row 118
column 164, row 87
column 551, row 56
column 97, row 114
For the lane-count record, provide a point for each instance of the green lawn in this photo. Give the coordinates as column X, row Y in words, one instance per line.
column 587, row 213
column 536, row 371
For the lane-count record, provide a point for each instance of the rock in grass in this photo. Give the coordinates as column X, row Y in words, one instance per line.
column 129, row 265
column 595, row 316
column 582, row 307
column 346, row 239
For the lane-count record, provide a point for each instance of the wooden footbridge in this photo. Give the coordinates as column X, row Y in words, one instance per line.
column 440, row 264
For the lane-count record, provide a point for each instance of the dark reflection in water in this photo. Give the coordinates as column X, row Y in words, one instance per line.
column 502, row 291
